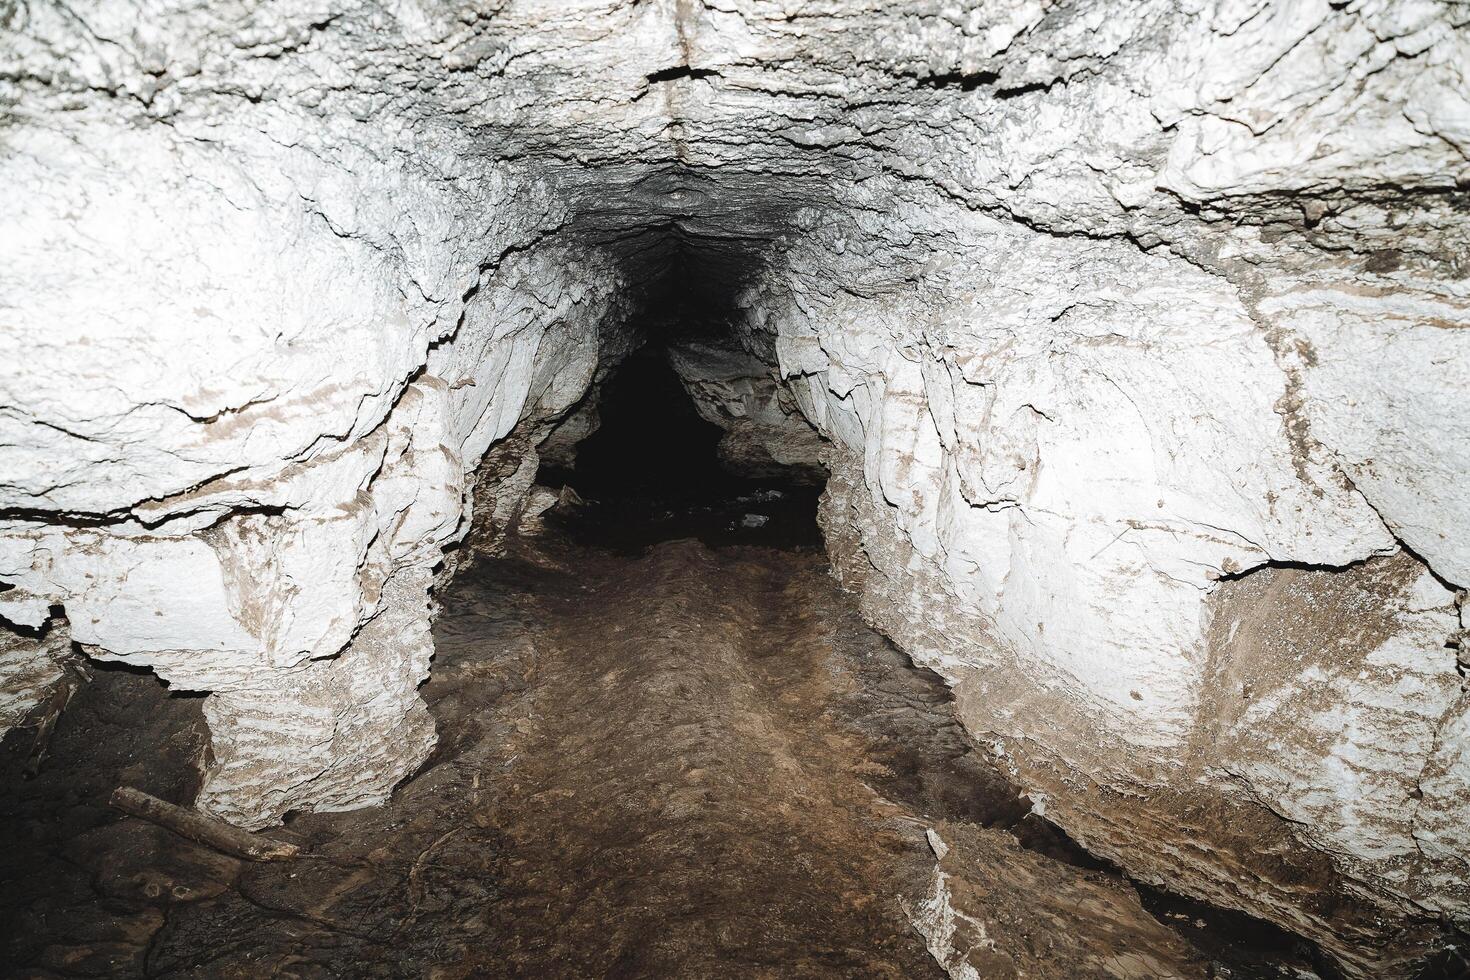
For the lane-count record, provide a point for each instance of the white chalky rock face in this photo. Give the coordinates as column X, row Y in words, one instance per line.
column 1136, row 336
column 765, row 433
column 287, row 337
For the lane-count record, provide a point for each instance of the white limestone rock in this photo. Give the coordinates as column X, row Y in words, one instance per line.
column 289, row 333
column 1366, row 354
column 1084, row 460
column 765, row 433
column 1103, row 312
column 32, row 669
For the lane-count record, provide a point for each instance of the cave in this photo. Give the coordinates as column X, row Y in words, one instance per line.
column 646, row 488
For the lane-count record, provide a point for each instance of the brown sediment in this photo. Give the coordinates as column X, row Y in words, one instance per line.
column 693, row 761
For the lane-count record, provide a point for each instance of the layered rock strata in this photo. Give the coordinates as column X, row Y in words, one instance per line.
column 256, row 347
column 1086, row 920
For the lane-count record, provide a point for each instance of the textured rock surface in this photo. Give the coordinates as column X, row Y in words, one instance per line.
column 982, row 918
column 289, row 324
column 31, row 669
column 1123, row 322
column 765, row 432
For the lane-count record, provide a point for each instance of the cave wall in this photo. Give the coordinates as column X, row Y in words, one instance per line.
column 1135, row 334
column 254, row 350
column 1073, row 435
column 1115, row 363
column 1075, row 478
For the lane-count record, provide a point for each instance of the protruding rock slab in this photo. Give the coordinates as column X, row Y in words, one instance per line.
column 996, row 910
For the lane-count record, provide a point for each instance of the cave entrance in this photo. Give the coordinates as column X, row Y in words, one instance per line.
column 655, row 469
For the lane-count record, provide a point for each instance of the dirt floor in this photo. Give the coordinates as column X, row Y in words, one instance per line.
column 682, row 759
column 669, row 747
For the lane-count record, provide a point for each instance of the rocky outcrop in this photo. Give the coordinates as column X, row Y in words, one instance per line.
column 1047, row 499
column 1073, row 418
column 995, row 909
column 766, row 436
column 1122, row 324
column 256, row 344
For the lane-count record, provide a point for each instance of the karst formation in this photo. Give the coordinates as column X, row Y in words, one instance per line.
column 736, row 487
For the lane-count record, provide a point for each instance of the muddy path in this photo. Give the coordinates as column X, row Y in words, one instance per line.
column 674, row 760
column 682, row 799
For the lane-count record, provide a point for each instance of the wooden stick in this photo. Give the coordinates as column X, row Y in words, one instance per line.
column 215, row 833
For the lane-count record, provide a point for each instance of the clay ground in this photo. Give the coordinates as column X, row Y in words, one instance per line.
column 683, row 758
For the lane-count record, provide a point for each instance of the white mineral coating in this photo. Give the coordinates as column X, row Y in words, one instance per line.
column 765, row 433
column 31, row 669
column 254, row 347
column 1366, row 350
column 1120, row 321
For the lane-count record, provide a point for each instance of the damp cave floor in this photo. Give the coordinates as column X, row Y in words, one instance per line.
column 688, row 759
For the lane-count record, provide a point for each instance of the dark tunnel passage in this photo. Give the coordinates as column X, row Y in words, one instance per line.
column 653, row 468
column 651, row 442
column 668, row 743
column 764, row 489
column 652, row 472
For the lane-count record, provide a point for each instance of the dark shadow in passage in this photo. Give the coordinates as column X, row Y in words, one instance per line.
column 651, row 473
column 652, row 443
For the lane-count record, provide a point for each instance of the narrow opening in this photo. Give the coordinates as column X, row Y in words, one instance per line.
column 653, row 471
column 651, row 441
